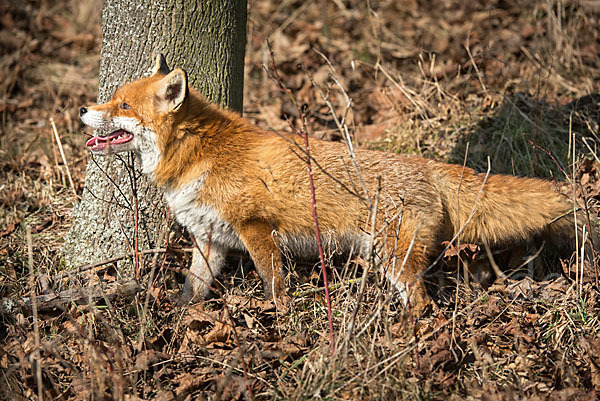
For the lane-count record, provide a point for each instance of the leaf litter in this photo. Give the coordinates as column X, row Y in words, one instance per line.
column 424, row 78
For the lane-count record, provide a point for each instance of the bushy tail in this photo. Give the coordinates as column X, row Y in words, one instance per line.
column 509, row 209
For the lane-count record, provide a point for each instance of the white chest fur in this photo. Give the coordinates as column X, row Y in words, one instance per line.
column 203, row 221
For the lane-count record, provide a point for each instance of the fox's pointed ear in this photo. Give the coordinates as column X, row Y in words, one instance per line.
column 173, row 90
column 160, row 66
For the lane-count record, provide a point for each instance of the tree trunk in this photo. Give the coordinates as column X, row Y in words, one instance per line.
column 206, row 38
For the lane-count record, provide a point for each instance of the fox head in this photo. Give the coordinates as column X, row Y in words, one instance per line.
column 137, row 114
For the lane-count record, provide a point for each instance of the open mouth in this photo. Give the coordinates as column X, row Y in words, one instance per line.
column 101, row 143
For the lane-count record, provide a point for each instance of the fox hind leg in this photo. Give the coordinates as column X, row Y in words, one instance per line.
column 405, row 258
column 408, row 278
column 258, row 239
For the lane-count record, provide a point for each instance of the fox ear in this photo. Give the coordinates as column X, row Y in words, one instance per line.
column 173, row 90
column 160, row 66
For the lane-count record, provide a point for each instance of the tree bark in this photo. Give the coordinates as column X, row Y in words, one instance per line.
column 206, row 38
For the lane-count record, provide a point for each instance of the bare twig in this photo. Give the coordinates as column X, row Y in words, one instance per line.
column 316, row 163
column 578, row 277
column 372, row 263
column 550, row 155
column 318, row 234
column 479, row 75
column 162, row 265
column 304, row 133
column 36, row 361
column 62, row 155
column 61, row 300
column 490, row 256
column 227, row 310
column 459, row 232
column 592, row 233
column 114, row 259
column 150, row 284
column 136, row 218
column 342, row 127
column 117, row 186
column 465, row 273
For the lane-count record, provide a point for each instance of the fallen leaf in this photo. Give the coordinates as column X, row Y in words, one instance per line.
column 11, row 228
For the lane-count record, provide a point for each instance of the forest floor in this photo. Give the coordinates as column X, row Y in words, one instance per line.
column 514, row 84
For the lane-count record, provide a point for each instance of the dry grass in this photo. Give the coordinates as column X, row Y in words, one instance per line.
column 424, row 79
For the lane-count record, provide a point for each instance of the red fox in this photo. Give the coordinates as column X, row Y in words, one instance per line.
column 237, row 187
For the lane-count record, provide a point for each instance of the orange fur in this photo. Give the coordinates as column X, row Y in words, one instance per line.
column 256, row 181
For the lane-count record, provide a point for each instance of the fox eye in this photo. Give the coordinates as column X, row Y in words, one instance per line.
column 125, row 106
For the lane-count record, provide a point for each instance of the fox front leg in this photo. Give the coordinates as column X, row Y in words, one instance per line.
column 202, row 274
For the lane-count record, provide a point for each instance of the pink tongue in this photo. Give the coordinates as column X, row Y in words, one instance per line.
column 96, row 140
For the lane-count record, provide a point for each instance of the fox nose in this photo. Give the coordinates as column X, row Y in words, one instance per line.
column 82, row 111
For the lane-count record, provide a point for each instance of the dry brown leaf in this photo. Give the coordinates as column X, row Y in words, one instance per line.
column 144, row 359
column 219, row 335
column 592, row 354
column 11, row 228
column 189, row 382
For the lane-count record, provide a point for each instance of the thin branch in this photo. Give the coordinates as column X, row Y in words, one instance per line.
column 36, row 329
column 316, row 163
column 227, row 310
column 114, row 259
column 441, row 255
column 112, row 182
column 136, row 217
column 550, row 155
column 61, row 300
column 318, row 234
column 304, row 133
column 62, row 155
column 372, row 262
column 341, row 125
column 162, row 265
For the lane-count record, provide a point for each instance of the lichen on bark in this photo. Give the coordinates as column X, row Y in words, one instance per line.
column 205, row 37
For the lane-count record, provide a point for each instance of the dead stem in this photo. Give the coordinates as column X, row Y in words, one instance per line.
column 36, row 357
column 217, row 289
column 304, row 133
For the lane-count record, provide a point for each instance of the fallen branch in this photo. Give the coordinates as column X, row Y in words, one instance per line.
column 117, row 258
column 61, row 300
